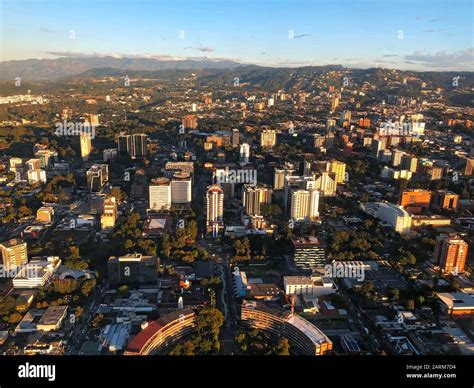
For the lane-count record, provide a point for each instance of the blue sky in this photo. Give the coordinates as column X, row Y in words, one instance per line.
column 414, row 34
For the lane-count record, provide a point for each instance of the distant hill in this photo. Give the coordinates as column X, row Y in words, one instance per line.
column 53, row 69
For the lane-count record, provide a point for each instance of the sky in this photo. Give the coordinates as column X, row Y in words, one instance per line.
column 405, row 34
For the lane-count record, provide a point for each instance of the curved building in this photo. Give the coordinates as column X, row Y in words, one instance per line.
column 303, row 336
column 159, row 335
column 160, row 194
column 181, row 188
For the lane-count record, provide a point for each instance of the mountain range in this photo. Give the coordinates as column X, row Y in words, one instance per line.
column 54, row 69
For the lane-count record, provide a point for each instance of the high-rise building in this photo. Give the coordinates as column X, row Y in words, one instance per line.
column 124, row 144
column 330, row 124
column 244, row 153
column 139, row 187
column 109, row 216
column 16, row 165
column 85, row 145
column 134, row 145
column 97, row 176
column 415, row 200
column 46, row 157
column 346, row 116
column 14, row 254
column 235, row 137
column 309, row 253
column 254, row 196
column 338, row 168
column 443, row 199
column 450, row 253
column 36, row 176
column 189, row 122
column 181, row 188
column 139, row 145
column 214, row 209
column 409, row 163
column 326, row 183
column 334, row 103
column 160, row 194
column 304, row 205
column 33, row 164
column 268, row 138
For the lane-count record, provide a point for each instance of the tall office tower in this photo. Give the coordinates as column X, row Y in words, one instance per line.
column 97, row 176
column 124, row 144
column 181, row 188
column 86, row 146
column 215, row 210
column 139, row 145
column 244, row 153
column 235, row 137
column 189, row 122
column 139, row 186
column 254, row 196
column 450, row 253
column 268, row 138
column 334, row 103
column 109, row 216
column 160, row 194
column 338, row 168
column 14, row 254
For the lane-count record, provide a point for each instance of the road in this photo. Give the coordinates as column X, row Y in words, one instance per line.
column 82, row 325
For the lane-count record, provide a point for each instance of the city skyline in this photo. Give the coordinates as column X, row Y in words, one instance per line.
column 403, row 35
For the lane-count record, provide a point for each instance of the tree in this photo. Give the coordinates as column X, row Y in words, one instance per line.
column 283, row 347
column 14, row 318
column 188, row 349
column 87, row 286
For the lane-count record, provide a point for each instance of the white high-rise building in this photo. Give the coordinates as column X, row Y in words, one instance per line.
column 86, row 146
column 160, row 194
column 244, row 153
column 214, row 209
column 304, row 205
column 181, row 188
